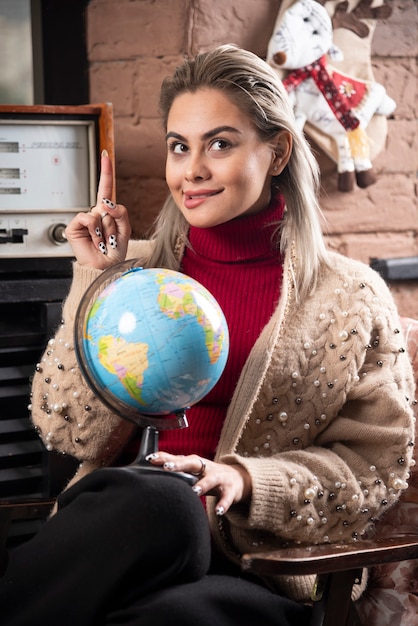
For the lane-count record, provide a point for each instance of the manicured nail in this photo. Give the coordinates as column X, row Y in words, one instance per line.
column 105, row 152
column 152, row 456
column 98, row 232
column 112, row 241
column 102, row 248
column 219, row 510
column 109, row 203
column 197, row 489
column 169, row 465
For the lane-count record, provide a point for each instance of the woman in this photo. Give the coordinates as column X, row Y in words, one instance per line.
column 307, row 437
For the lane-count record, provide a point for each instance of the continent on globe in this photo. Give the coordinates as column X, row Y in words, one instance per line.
column 127, row 361
column 178, row 300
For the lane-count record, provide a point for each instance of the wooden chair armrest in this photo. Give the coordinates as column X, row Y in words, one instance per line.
column 20, row 509
column 328, row 558
column 25, row 508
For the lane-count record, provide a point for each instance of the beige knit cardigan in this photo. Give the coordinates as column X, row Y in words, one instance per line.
column 321, row 417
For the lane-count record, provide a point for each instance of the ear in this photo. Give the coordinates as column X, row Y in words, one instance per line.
column 282, row 143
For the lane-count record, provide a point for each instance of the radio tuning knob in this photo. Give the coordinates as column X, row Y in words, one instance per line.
column 57, row 234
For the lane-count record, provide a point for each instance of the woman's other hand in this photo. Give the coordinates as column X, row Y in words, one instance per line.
column 100, row 238
column 230, row 483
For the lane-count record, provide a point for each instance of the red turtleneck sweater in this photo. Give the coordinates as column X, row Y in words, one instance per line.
column 238, row 264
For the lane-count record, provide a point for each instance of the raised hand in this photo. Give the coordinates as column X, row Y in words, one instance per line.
column 100, row 238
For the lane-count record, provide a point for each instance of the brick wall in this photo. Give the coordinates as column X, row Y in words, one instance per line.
column 133, row 44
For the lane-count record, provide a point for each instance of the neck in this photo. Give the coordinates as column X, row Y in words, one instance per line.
column 244, row 238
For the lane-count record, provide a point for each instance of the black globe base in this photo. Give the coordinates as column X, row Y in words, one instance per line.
column 149, row 445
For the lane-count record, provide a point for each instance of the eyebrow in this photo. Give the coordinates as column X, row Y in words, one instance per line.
column 208, row 135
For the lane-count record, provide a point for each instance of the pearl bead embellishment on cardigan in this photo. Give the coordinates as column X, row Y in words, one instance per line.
column 55, row 407
column 298, row 385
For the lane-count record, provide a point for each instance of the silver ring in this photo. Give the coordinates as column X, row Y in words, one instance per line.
column 202, row 470
column 103, row 215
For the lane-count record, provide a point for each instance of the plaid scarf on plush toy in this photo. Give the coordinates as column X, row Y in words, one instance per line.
column 318, row 72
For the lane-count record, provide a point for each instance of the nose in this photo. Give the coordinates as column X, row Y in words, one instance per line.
column 197, row 168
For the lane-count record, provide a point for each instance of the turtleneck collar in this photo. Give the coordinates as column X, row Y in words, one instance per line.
column 244, row 238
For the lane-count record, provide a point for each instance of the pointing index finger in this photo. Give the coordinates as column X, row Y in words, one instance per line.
column 105, row 188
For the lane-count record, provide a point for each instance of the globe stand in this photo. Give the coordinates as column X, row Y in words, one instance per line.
column 149, row 445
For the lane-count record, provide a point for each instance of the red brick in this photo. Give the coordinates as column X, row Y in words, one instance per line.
column 106, row 85
column 405, row 295
column 128, row 29
column 388, row 205
column 148, row 77
column 248, row 24
column 143, row 198
column 397, row 36
column 397, row 75
column 140, row 149
column 400, row 155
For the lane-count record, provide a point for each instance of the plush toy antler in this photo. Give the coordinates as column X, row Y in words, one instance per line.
column 351, row 20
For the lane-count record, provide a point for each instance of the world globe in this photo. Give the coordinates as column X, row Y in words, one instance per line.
column 150, row 342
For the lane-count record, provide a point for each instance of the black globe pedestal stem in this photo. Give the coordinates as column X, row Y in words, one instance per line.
column 149, row 445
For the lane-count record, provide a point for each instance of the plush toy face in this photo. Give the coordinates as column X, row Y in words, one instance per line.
column 304, row 36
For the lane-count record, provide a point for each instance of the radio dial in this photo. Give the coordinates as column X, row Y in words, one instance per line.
column 57, row 234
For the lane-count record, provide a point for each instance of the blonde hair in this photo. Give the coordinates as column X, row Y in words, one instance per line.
column 253, row 86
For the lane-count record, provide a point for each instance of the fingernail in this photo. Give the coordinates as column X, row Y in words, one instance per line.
column 112, row 241
column 109, row 203
column 219, row 510
column 98, row 232
column 197, row 489
column 105, row 152
column 102, row 248
column 169, row 465
column 151, row 457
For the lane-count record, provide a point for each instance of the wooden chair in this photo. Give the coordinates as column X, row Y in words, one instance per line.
column 338, row 566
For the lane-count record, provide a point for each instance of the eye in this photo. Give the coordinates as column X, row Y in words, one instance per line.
column 177, row 148
column 219, row 144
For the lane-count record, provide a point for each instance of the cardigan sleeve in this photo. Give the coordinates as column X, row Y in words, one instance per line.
column 66, row 413
column 349, row 447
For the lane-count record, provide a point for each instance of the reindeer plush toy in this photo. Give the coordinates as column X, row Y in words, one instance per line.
column 335, row 104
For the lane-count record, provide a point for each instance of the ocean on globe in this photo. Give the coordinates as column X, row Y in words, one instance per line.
column 155, row 341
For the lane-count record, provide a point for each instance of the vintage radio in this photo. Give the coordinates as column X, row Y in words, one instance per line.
column 49, row 167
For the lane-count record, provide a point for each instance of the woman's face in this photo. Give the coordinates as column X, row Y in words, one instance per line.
column 217, row 166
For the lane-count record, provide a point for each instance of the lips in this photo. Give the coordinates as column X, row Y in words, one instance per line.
column 193, row 199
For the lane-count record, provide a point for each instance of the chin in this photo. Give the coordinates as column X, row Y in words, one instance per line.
column 203, row 221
